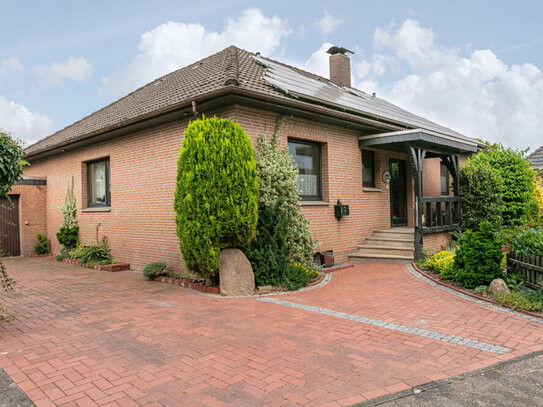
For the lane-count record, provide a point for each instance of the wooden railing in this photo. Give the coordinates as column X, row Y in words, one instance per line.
column 528, row 267
column 441, row 214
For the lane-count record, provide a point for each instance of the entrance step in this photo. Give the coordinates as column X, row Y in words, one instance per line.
column 393, row 245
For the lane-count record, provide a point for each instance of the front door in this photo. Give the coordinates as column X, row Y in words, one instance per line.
column 9, row 226
column 398, row 193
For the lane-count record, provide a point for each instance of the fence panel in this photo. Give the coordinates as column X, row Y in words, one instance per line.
column 527, row 266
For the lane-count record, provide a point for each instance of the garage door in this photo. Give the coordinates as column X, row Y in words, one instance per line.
column 9, row 226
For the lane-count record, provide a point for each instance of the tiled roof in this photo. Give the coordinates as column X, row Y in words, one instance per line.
column 537, row 158
column 232, row 67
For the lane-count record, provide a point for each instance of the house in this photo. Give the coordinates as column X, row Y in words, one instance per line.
column 393, row 169
column 536, row 158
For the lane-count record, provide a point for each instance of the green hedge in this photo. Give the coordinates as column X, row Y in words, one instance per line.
column 216, row 194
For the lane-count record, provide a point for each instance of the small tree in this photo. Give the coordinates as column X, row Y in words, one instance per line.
column 12, row 164
column 216, row 193
column 482, row 192
column 519, row 183
column 478, row 257
column 278, row 181
column 68, row 236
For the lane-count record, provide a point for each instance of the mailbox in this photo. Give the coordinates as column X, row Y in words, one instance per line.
column 341, row 210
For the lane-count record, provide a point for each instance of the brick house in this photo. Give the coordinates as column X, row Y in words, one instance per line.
column 392, row 168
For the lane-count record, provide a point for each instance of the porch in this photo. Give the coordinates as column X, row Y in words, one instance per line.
column 431, row 214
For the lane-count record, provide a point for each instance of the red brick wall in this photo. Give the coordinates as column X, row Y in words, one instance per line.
column 141, row 225
column 32, row 209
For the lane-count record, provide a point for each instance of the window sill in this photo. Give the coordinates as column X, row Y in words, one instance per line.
column 314, row 203
column 367, row 189
column 97, row 209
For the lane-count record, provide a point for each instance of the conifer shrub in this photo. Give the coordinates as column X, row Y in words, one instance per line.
column 478, row 257
column 216, row 193
column 155, row 269
column 278, row 182
column 42, row 244
column 268, row 252
column 68, row 235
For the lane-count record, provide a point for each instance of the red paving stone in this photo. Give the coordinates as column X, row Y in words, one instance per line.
column 85, row 337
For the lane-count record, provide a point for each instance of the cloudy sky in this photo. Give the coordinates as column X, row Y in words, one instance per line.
column 475, row 66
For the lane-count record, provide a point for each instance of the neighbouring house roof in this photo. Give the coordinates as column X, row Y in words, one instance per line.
column 234, row 70
column 537, row 158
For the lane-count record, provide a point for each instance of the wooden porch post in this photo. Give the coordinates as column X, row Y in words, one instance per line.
column 453, row 165
column 417, row 155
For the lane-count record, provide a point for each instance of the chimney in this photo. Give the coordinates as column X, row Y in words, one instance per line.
column 340, row 66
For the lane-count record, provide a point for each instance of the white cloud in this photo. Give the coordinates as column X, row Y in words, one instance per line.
column 10, row 65
column 319, row 61
column 328, row 23
column 173, row 45
column 473, row 92
column 76, row 69
column 22, row 123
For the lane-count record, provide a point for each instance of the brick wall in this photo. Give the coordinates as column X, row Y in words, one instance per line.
column 32, row 214
column 141, row 225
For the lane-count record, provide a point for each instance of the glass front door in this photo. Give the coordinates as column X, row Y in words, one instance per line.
column 398, row 193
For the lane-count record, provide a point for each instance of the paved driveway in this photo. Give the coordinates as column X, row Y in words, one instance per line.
column 85, row 338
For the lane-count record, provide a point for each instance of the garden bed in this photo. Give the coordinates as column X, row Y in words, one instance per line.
column 41, row 255
column 102, row 267
column 203, row 286
column 436, row 277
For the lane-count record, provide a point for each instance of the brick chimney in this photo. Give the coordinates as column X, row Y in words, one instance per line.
column 340, row 66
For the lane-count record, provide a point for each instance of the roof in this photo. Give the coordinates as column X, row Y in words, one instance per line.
column 537, row 158
column 228, row 70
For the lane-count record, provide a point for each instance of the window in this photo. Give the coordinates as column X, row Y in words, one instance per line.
column 307, row 156
column 444, row 179
column 368, row 169
column 98, row 194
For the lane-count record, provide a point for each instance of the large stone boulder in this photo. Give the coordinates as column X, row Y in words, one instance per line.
column 498, row 286
column 235, row 273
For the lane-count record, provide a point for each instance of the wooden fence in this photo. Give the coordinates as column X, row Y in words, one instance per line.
column 527, row 266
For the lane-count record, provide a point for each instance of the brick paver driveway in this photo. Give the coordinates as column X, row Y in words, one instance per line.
column 85, row 337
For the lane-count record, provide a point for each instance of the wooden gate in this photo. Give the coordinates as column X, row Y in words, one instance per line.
column 9, row 227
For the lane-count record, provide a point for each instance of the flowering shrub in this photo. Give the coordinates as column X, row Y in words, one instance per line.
column 442, row 262
column 298, row 275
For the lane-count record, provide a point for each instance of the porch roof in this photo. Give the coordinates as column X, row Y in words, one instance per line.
column 429, row 140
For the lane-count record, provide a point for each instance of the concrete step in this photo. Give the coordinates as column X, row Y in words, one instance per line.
column 391, row 241
column 380, row 250
column 365, row 258
column 392, row 234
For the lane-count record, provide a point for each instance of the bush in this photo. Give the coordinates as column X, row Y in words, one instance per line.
column 298, row 275
column 278, row 181
column 482, row 192
column 478, row 257
column 529, row 241
column 519, row 182
column 521, row 300
column 443, row 263
column 155, row 269
column 42, row 244
column 68, row 236
column 216, row 193
column 95, row 255
column 268, row 253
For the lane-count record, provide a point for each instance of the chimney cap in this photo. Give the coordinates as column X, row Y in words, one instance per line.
column 338, row 50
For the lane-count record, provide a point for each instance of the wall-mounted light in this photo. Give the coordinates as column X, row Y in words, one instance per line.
column 386, row 179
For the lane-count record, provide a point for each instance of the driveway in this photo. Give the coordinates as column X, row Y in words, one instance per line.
column 85, row 338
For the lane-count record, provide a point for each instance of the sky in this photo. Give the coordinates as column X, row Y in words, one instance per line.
column 474, row 66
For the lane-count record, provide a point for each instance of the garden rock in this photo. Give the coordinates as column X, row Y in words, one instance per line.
column 235, row 273
column 498, row 286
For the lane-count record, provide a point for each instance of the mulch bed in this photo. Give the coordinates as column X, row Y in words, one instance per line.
column 435, row 277
column 41, row 255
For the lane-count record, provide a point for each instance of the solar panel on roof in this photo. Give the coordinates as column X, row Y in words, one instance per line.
column 304, row 87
